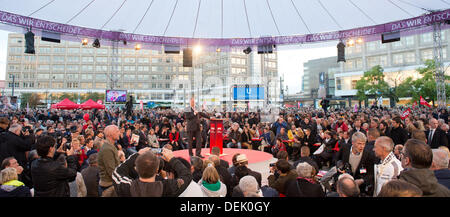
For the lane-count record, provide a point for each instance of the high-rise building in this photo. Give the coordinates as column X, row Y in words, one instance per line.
column 311, row 75
column 150, row 75
column 399, row 60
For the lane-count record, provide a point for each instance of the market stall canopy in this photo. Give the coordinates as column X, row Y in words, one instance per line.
column 90, row 104
column 65, row 104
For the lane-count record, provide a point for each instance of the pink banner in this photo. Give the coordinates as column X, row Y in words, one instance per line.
column 402, row 25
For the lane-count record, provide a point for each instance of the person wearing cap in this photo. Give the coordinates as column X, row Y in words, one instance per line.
column 242, row 160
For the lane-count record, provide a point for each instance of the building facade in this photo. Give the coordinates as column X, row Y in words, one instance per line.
column 150, row 75
column 399, row 60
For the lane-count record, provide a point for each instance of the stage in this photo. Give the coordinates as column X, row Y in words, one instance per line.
column 257, row 160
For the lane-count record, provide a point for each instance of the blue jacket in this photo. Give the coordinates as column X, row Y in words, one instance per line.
column 14, row 188
column 443, row 177
column 279, row 126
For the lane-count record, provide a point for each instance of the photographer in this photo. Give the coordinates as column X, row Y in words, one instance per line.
column 280, row 173
column 51, row 178
column 18, row 141
column 361, row 160
column 141, row 182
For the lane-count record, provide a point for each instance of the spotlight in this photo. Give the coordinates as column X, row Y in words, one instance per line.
column 350, row 42
column 96, row 43
column 124, row 42
column 218, row 49
column 84, row 41
column 197, row 49
column 137, row 47
column 359, row 40
column 248, row 50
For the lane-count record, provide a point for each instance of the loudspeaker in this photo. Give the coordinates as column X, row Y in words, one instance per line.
column 51, row 37
column 265, row 49
column 172, row 49
column 187, row 57
column 390, row 37
column 340, row 52
column 29, row 43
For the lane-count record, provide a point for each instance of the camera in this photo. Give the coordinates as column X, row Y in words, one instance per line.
column 272, row 164
column 67, row 145
column 344, row 167
column 157, row 151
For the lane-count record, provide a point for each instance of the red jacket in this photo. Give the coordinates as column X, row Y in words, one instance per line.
column 172, row 139
column 344, row 127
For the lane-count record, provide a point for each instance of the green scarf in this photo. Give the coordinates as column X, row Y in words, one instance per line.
column 211, row 187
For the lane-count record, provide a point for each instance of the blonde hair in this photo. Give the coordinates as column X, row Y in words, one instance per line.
column 8, row 174
column 210, row 175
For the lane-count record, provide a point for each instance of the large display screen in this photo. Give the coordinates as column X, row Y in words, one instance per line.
column 248, row 92
column 116, row 95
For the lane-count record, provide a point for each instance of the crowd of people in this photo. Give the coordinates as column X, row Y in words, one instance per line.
column 337, row 153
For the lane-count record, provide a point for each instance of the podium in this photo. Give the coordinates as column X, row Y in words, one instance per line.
column 216, row 134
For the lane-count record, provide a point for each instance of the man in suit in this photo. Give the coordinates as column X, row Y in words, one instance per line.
column 398, row 134
column 193, row 128
column 435, row 136
column 360, row 161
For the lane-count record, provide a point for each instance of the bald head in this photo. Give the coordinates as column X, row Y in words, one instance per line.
column 433, row 123
column 112, row 133
column 347, row 187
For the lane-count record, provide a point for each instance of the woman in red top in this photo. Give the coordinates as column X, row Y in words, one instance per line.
column 174, row 137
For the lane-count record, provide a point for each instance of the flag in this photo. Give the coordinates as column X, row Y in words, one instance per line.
column 298, row 105
column 141, row 103
column 380, row 101
column 424, row 102
column 414, row 104
column 405, row 114
column 356, row 108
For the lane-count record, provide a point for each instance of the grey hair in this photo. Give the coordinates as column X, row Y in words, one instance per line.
column 215, row 159
column 386, row 142
column 15, row 127
column 304, row 170
column 8, row 174
column 440, row 158
column 359, row 136
column 248, row 184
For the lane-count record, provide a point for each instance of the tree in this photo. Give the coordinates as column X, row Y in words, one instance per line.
column 424, row 86
column 33, row 99
column 372, row 84
column 71, row 96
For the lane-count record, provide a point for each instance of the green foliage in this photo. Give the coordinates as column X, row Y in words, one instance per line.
column 372, row 84
column 32, row 99
column 424, row 86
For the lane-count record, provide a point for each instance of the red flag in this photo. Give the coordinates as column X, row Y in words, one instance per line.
column 424, row 102
column 414, row 104
column 405, row 114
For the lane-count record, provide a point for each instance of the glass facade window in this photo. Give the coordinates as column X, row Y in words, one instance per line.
column 409, row 41
column 87, row 68
column 58, row 76
column 44, row 50
column 59, row 59
column 59, row 50
column 58, row 68
column 426, row 37
column 100, row 85
column 87, row 59
column 73, row 59
column 397, row 59
column 86, row 76
column 410, row 57
column 72, row 50
column 85, row 85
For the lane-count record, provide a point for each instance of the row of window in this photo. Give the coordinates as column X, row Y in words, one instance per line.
column 90, row 85
column 98, row 68
column 397, row 59
column 405, row 42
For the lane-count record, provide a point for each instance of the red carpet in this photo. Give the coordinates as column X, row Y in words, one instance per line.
column 252, row 155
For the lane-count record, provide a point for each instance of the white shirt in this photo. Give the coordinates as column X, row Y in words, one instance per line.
column 389, row 169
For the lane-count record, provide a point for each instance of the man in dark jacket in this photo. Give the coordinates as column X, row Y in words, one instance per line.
column 304, row 185
column 17, row 144
column 216, row 151
column 440, row 167
column 398, row 134
column 435, row 136
column 193, row 128
column 50, row 178
column 243, row 161
column 280, row 174
column 360, row 161
column 417, row 159
column 129, row 182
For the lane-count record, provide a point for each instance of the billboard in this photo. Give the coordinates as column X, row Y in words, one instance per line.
column 116, row 95
column 248, row 92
